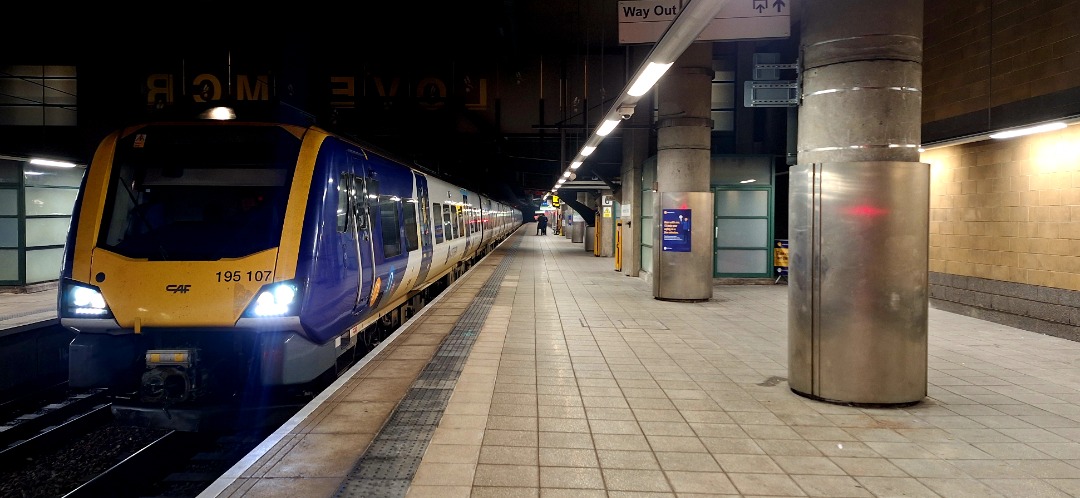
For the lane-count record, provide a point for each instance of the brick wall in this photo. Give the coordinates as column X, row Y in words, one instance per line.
column 1004, row 215
column 1005, row 227
column 984, row 57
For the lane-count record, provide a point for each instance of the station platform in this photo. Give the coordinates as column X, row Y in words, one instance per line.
column 544, row 373
column 21, row 308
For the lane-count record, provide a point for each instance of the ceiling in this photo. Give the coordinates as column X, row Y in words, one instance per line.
column 112, row 60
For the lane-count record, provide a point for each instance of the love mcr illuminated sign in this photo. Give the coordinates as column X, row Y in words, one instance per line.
column 341, row 91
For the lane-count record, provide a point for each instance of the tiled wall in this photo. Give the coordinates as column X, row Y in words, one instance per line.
column 1004, row 215
column 981, row 55
column 1007, row 211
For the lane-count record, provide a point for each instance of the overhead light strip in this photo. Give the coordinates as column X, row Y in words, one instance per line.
column 1030, row 130
column 691, row 20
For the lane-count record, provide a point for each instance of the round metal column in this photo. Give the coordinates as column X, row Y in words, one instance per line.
column 859, row 201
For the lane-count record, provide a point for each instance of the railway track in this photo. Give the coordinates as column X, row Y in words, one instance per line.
column 77, row 447
column 90, row 455
column 177, row 464
column 81, row 446
column 31, row 425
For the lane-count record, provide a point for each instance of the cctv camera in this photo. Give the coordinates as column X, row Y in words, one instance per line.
column 626, row 111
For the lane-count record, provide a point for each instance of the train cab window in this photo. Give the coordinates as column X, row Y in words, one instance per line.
column 412, row 236
column 439, row 228
column 387, row 212
column 198, row 193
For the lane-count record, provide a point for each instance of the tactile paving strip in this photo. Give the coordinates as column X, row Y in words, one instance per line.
column 20, row 314
column 387, row 467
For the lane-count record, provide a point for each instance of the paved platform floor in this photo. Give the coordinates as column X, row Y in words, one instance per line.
column 575, row 382
column 20, row 309
column 580, row 384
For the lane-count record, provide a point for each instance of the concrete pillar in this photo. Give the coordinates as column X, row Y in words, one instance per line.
column 862, row 81
column 684, row 137
column 859, row 207
column 635, row 150
column 606, row 225
column 684, row 141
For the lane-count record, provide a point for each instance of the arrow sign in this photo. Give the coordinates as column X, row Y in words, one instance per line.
column 644, row 21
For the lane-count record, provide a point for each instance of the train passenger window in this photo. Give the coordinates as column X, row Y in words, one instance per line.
column 448, row 222
column 387, row 211
column 412, row 237
column 343, row 203
column 437, row 209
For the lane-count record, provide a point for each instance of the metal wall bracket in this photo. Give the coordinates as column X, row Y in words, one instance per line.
column 771, row 94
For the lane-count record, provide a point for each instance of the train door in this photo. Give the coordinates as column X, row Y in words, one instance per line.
column 465, row 212
column 386, row 187
column 426, row 244
column 358, row 236
column 486, row 222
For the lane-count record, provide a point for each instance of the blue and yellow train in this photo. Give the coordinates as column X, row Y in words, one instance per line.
column 213, row 256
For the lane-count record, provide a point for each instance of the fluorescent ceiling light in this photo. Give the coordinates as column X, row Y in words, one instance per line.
column 609, row 124
column 1029, row 130
column 566, row 174
column 575, row 165
column 752, row 180
column 648, row 77
column 588, row 149
column 50, row 162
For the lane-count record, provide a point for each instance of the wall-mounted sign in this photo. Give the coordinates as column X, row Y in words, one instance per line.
column 676, row 230
column 645, row 21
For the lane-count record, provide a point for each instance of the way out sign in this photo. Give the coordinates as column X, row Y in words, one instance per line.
column 644, row 21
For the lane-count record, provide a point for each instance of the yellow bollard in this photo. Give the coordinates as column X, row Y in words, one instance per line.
column 618, row 246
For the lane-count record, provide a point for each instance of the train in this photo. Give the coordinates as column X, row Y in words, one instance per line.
column 211, row 258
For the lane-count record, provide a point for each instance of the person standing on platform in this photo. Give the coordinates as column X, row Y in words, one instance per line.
column 541, row 224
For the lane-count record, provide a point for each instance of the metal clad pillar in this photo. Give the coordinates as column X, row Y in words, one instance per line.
column 859, row 201
column 568, row 226
column 577, row 234
column 683, row 262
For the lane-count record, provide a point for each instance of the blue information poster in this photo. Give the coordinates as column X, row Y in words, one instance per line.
column 676, row 236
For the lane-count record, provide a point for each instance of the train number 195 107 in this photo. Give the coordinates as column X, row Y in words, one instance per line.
column 245, row 276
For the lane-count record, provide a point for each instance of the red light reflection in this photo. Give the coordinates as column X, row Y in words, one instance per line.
column 865, row 211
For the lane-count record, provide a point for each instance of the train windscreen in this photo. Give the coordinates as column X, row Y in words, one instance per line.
column 198, row 193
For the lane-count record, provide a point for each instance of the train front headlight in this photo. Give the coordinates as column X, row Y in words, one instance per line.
column 277, row 299
column 84, row 301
